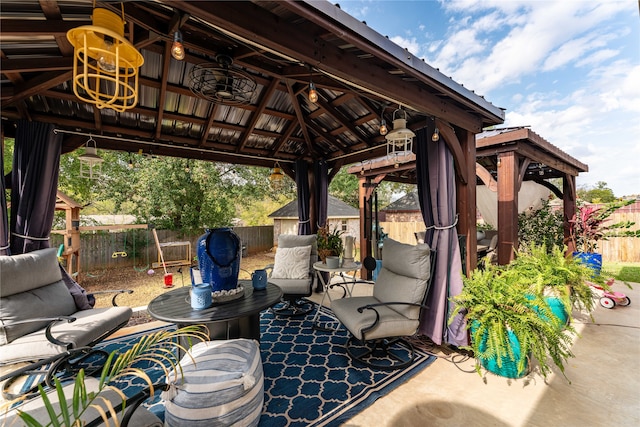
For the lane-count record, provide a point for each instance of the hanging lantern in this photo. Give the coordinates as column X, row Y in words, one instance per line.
column 90, row 162
column 105, row 66
column 400, row 139
column 276, row 178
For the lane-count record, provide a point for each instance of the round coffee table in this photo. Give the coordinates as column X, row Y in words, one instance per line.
column 239, row 318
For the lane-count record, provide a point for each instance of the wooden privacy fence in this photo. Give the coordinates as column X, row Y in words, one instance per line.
column 622, row 249
column 136, row 248
column 618, row 249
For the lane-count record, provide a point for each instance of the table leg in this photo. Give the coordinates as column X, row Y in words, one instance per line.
column 327, row 286
column 321, row 282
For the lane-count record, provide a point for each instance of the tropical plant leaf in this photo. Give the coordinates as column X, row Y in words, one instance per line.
column 158, row 349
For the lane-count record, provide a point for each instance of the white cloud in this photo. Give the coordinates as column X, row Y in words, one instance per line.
column 561, row 67
column 411, row 44
column 597, row 57
column 536, row 36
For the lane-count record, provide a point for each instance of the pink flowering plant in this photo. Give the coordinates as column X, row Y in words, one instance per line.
column 591, row 224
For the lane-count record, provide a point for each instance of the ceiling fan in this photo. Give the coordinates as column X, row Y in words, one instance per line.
column 221, row 82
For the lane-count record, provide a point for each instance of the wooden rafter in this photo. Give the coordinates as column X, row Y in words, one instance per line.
column 163, row 89
column 255, row 116
column 299, row 116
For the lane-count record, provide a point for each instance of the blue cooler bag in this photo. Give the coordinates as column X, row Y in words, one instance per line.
column 219, row 258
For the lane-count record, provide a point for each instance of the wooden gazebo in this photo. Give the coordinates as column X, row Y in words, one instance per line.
column 276, row 48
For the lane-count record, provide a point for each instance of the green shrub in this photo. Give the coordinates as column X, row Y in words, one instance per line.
column 544, row 227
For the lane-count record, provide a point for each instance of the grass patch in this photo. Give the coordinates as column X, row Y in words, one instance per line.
column 624, row 271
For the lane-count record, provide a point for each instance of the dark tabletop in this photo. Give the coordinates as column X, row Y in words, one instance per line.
column 174, row 306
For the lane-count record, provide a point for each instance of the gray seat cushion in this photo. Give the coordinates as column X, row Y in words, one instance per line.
column 23, row 272
column 404, row 277
column 90, row 325
column 293, row 286
column 298, row 286
column 31, row 286
column 393, row 324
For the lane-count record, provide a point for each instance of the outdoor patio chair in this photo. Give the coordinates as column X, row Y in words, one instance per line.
column 40, row 324
column 293, row 272
column 491, row 254
column 379, row 323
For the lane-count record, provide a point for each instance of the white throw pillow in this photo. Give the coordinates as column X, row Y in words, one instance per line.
column 292, row 263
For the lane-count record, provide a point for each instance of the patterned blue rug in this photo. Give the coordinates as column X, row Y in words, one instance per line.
column 309, row 378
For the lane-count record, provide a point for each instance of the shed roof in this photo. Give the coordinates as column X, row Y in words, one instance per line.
column 407, row 203
column 336, row 209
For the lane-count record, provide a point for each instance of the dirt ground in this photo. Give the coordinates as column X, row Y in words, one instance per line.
column 147, row 286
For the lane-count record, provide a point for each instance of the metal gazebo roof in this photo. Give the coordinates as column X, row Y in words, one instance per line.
column 361, row 76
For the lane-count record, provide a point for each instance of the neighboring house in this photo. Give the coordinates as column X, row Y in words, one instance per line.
column 340, row 215
column 405, row 209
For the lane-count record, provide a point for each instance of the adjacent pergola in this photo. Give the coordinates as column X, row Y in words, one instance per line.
column 504, row 159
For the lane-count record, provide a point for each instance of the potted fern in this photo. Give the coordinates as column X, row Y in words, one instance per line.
column 520, row 312
column 560, row 279
column 160, row 349
column 509, row 325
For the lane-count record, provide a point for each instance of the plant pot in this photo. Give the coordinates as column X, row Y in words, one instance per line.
column 557, row 309
column 507, row 368
column 333, row 261
column 592, row 260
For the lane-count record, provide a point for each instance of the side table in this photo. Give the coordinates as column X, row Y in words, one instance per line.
column 346, row 285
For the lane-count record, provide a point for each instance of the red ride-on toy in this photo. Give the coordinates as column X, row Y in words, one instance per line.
column 609, row 299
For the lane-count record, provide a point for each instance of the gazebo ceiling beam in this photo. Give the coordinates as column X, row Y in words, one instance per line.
column 255, row 116
column 454, row 145
column 300, row 117
column 249, row 22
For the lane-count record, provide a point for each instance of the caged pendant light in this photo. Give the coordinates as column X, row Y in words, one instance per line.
column 105, row 66
column 276, row 178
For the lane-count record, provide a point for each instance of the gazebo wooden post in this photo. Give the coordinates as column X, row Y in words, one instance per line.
column 366, row 187
column 507, row 206
column 313, row 213
column 365, row 242
column 466, row 200
column 569, row 205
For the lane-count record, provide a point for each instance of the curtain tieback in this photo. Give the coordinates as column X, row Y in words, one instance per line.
column 2, row 248
column 444, row 227
column 30, row 237
column 304, row 222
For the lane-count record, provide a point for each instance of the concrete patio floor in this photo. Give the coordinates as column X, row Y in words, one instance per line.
column 604, row 388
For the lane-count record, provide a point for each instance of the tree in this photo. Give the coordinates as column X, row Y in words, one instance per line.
column 175, row 193
column 598, row 194
column 344, row 186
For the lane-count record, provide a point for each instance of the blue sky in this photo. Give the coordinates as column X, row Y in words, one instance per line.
column 570, row 69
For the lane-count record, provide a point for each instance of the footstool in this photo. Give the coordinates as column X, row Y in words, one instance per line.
column 224, row 387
